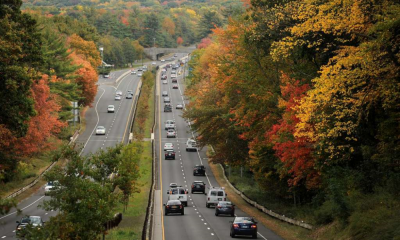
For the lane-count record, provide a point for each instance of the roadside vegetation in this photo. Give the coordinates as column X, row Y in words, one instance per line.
column 304, row 95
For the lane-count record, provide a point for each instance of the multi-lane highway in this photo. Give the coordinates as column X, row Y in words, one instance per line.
column 199, row 222
column 117, row 130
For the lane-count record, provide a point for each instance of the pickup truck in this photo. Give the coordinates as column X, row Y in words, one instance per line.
column 169, row 124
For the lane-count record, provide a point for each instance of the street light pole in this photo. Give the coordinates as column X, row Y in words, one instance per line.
column 101, row 54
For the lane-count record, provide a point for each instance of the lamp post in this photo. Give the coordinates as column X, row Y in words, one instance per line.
column 154, row 48
column 101, row 54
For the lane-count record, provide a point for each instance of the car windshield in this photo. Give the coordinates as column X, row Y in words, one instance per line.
column 243, row 219
column 175, row 202
column 35, row 220
column 225, row 203
column 25, row 220
column 99, row 128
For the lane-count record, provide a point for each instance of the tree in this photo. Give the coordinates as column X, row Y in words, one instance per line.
column 87, row 49
column 209, row 20
column 179, row 41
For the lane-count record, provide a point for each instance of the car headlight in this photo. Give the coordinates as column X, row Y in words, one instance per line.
column 19, row 228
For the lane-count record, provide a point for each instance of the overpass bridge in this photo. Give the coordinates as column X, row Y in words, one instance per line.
column 155, row 53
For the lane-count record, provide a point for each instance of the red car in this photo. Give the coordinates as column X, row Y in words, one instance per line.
column 175, row 86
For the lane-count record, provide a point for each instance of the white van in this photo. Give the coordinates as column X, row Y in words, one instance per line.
column 178, row 193
column 169, row 124
column 191, row 145
column 215, row 194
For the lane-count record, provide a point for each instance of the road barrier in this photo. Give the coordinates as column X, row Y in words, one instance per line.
column 264, row 209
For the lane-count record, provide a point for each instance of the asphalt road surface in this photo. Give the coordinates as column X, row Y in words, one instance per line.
column 199, row 222
column 117, row 130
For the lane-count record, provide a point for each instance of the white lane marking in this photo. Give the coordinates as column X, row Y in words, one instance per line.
column 212, row 234
column 208, row 227
column 202, row 220
column 22, row 208
column 13, row 230
column 3, row 237
column 98, row 119
column 262, row 235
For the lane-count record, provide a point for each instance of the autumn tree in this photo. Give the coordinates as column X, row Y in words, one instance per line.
column 85, row 48
column 179, row 41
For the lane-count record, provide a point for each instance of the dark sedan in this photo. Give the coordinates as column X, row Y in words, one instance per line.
column 199, row 170
column 198, row 186
column 32, row 221
column 225, row 207
column 174, row 206
column 243, row 226
column 169, row 154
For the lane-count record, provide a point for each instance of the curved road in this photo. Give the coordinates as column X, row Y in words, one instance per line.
column 199, row 222
column 117, row 126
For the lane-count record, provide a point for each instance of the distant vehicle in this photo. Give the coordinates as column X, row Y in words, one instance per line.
column 171, row 133
column 175, row 55
column 225, row 207
column 167, row 100
column 33, row 221
column 106, row 75
column 199, row 170
column 174, row 80
column 117, row 98
column 130, row 92
column 165, row 82
column 153, row 63
column 164, row 77
column 140, row 70
column 50, row 186
column 243, row 226
column 173, row 185
column 174, row 206
column 139, row 74
column 173, row 71
column 170, row 154
column 119, row 92
column 178, row 193
column 133, row 72
column 144, row 67
column 100, row 130
column 167, row 108
column 198, row 186
column 168, row 146
column 169, row 124
column 175, row 86
column 191, row 145
column 179, row 106
column 215, row 194
column 162, row 60
column 110, row 108
column 164, row 93
column 129, row 96
column 173, row 76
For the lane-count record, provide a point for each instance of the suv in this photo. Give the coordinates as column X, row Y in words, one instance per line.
column 167, row 108
column 199, row 170
column 191, row 145
column 170, row 154
column 178, row 193
column 169, row 124
column 215, row 194
column 198, row 186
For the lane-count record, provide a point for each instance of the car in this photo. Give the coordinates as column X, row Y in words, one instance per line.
column 129, row 96
column 106, row 75
column 174, row 206
column 140, row 70
column 144, row 67
column 243, row 226
column 191, row 145
column 100, row 130
column 174, row 80
column 179, row 106
column 33, row 221
column 169, row 154
column 162, row 60
column 164, row 77
column 167, row 100
column 215, row 195
column 198, row 186
column 169, row 124
column 168, row 146
column 177, row 65
column 153, row 63
column 225, row 207
column 164, row 93
column 129, row 92
column 175, row 55
column 119, row 92
column 173, row 71
column 173, row 76
column 50, row 186
column 173, row 67
column 199, row 170
column 110, row 108
column 173, row 185
column 165, row 82
column 117, row 98
column 167, row 108
column 133, row 72
column 178, row 193
column 171, row 133
column 175, row 86
column 139, row 74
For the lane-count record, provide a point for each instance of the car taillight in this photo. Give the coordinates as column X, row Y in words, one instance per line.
column 167, row 206
column 219, row 207
column 180, row 206
column 235, row 225
column 192, row 186
column 253, row 226
column 224, row 199
column 208, row 199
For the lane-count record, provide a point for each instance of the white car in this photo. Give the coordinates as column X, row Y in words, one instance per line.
column 119, row 92
column 168, row 146
column 117, row 98
column 133, row 72
column 191, row 145
column 100, row 130
column 139, row 74
column 130, row 92
column 50, row 186
column 173, row 72
column 171, row 133
column 165, row 82
column 153, row 63
column 162, row 60
column 167, row 100
column 169, row 124
column 110, row 108
column 179, row 106
column 178, row 193
column 173, row 76
column 164, row 93
column 215, row 194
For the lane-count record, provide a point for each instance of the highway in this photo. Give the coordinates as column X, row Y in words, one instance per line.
column 117, row 130
column 199, row 222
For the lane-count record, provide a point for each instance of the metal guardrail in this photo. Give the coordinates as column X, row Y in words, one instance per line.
column 264, row 209
column 36, row 180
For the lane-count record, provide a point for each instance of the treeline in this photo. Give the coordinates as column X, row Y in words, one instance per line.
column 43, row 69
column 306, row 94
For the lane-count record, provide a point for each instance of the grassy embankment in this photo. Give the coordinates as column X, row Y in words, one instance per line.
column 133, row 219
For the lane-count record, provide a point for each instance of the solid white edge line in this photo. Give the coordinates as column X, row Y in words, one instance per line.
column 22, row 208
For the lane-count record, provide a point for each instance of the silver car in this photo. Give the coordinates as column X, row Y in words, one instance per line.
column 179, row 106
column 100, row 130
column 171, row 133
column 119, row 92
column 167, row 100
column 110, row 108
column 164, row 93
column 117, row 97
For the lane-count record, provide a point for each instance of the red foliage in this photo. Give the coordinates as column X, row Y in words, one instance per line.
column 179, row 41
column 45, row 124
column 294, row 152
column 205, row 42
column 124, row 20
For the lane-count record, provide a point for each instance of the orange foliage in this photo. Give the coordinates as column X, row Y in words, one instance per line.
column 45, row 124
column 179, row 41
column 205, row 42
column 124, row 20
